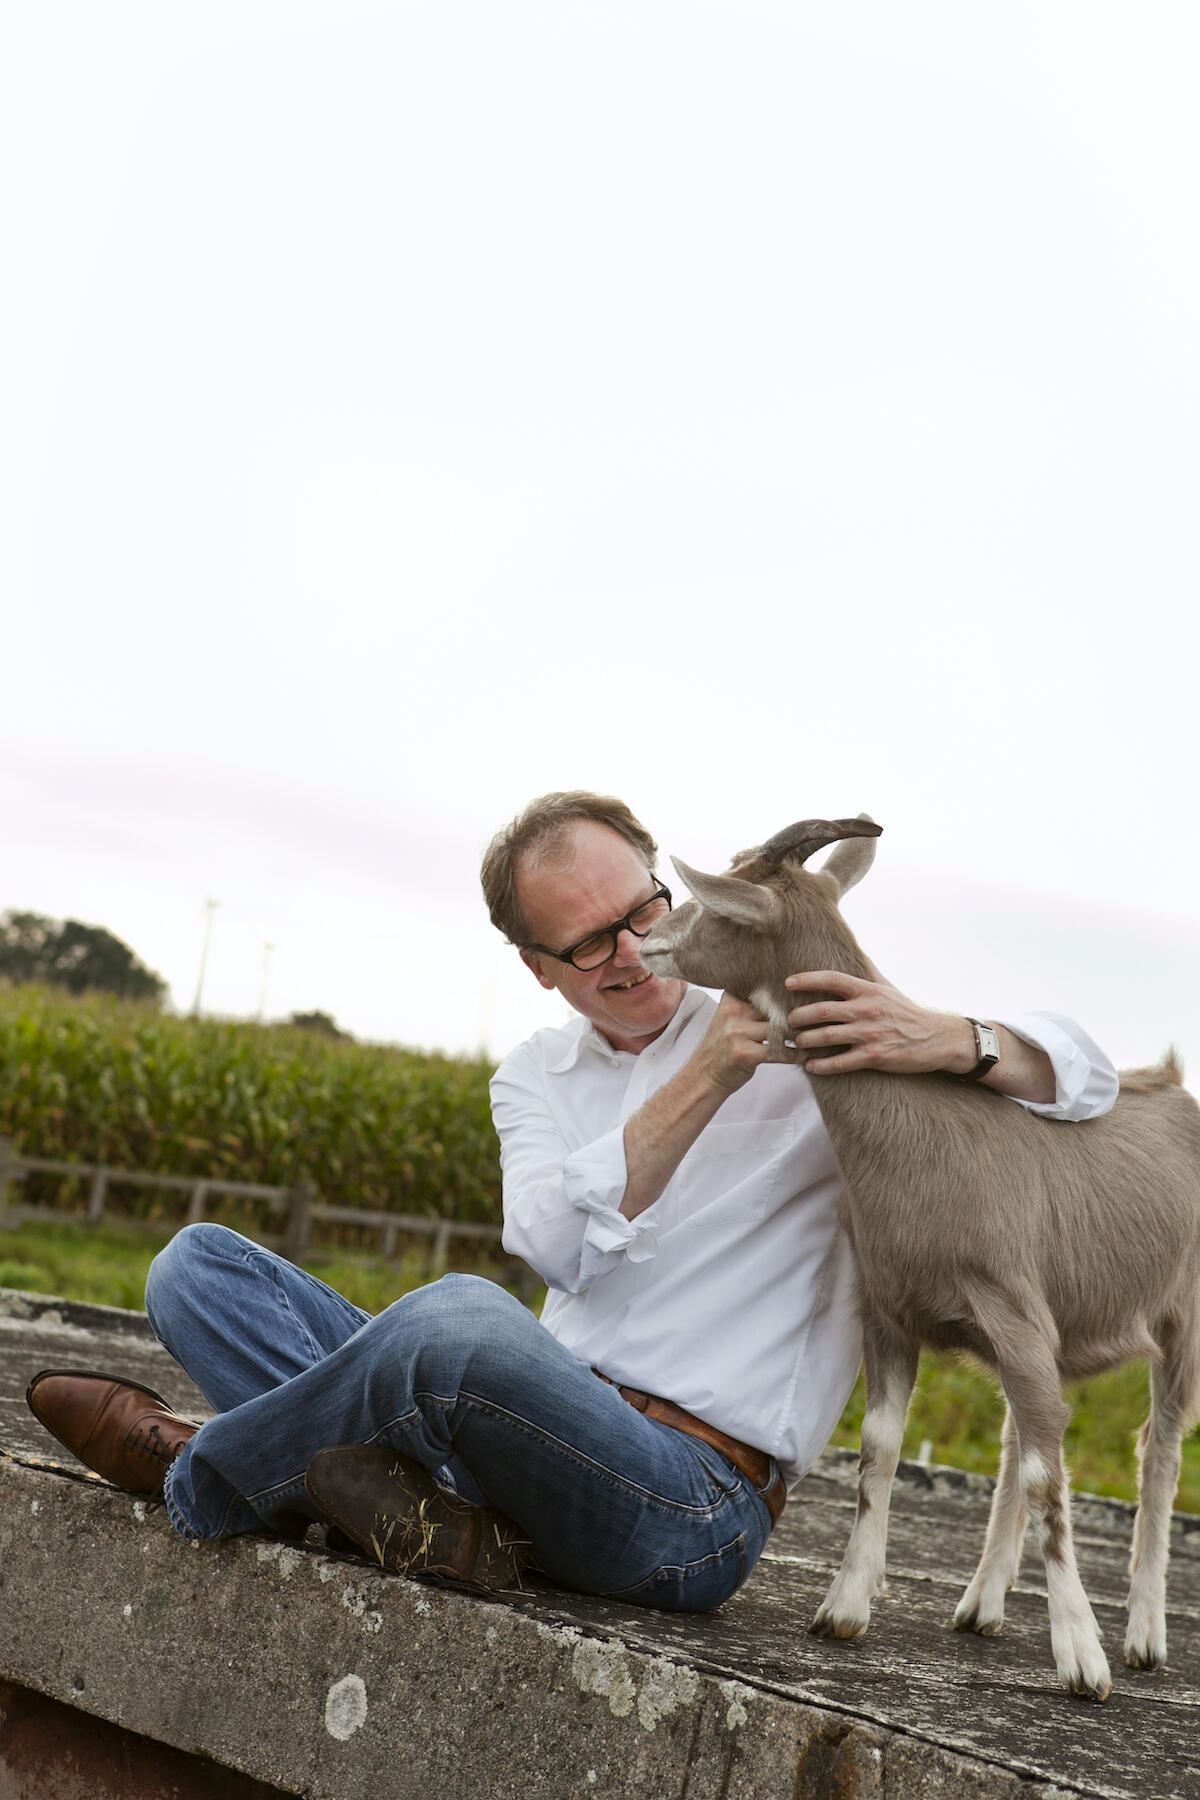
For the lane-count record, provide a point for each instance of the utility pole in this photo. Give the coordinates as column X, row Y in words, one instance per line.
column 210, row 907
column 262, row 992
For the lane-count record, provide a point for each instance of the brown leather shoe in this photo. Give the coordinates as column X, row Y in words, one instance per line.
column 124, row 1432
column 394, row 1511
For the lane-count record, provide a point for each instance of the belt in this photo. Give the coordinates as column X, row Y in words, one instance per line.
column 754, row 1464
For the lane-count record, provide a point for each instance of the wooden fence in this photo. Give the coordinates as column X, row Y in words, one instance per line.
column 297, row 1207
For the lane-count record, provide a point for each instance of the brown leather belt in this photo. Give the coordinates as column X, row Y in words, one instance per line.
column 754, row 1464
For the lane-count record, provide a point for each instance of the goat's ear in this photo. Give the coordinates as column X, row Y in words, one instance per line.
column 849, row 861
column 730, row 898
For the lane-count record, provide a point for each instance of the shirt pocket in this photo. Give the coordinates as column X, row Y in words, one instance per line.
column 732, row 1172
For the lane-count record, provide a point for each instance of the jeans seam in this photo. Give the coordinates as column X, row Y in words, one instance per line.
column 610, row 1476
column 689, row 1571
column 615, row 1480
column 263, row 1270
column 297, row 1481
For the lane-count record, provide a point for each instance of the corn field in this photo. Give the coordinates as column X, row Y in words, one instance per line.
column 96, row 1079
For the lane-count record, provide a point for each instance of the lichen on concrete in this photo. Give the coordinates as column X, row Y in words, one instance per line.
column 346, row 1707
column 355, row 1603
column 665, row 1687
column 286, row 1556
column 737, row 1696
column 600, row 1668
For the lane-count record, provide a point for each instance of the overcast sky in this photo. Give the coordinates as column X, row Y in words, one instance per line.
column 759, row 410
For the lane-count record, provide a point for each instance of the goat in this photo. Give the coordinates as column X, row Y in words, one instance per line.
column 1049, row 1250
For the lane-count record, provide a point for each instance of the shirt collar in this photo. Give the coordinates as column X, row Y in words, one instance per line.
column 584, row 1036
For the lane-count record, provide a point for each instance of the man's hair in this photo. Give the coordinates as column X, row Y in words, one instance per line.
column 539, row 834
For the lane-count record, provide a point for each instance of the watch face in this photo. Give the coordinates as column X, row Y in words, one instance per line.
column 989, row 1043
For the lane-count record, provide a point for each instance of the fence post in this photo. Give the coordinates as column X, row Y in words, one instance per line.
column 439, row 1256
column 98, row 1195
column 298, row 1229
column 7, row 1174
column 527, row 1283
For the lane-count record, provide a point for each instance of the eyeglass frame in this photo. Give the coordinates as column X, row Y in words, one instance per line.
column 614, row 931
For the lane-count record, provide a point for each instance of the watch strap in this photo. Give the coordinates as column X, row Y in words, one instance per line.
column 988, row 1044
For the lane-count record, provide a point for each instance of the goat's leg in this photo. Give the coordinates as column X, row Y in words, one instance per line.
column 1029, row 1372
column 982, row 1606
column 1172, row 1400
column 891, row 1365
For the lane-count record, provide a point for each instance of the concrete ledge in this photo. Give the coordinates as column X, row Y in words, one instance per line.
column 324, row 1678
column 321, row 1677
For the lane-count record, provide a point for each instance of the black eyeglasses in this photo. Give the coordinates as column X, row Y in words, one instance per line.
column 596, row 948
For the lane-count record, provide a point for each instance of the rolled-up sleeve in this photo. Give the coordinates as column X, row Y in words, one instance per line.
column 562, row 1205
column 1085, row 1081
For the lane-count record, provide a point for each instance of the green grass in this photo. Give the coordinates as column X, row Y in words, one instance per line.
column 108, row 1268
column 956, row 1405
column 958, row 1408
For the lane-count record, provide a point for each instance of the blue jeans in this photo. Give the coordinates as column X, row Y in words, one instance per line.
column 462, row 1378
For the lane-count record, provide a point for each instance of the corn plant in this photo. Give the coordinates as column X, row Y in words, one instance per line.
column 93, row 1079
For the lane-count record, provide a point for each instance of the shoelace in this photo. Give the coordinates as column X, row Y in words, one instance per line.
column 147, row 1440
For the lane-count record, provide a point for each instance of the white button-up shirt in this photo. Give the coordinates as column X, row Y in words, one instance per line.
column 733, row 1294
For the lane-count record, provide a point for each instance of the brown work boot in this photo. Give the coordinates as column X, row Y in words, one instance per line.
column 394, row 1511
column 124, row 1432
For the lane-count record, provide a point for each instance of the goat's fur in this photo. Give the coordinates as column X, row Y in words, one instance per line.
column 1050, row 1250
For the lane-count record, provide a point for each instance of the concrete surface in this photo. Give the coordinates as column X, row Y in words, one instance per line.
column 324, row 1678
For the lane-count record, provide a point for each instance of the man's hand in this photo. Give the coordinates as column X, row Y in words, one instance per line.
column 882, row 1029
column 733, row 1046
column 879, row 1027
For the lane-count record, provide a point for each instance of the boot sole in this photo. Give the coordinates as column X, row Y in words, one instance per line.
column 391, row 1507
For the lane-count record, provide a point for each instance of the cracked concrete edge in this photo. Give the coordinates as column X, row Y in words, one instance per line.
column 329, row 1680
column 20, row 1308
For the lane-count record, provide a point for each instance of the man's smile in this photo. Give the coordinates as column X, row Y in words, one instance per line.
column 636, row 980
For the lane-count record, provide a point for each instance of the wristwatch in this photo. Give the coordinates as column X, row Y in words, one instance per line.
column 988, row 1044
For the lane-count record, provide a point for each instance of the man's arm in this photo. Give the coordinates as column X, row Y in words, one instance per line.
column 883, row 1029
column 575, row 1213
column 660, row 1134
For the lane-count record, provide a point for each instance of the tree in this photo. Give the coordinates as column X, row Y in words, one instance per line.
column 69, row 954
column 319, row 1021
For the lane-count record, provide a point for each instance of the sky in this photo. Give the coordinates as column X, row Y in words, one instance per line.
column 759, row 410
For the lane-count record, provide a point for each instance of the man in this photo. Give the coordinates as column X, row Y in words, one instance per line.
column 679, row 1196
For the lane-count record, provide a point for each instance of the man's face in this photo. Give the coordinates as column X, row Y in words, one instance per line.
column 565, row 899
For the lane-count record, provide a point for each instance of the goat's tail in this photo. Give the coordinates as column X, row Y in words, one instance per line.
column 1167, row 1073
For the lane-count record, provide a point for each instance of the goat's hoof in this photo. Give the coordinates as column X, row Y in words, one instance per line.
column 971, row 1619
column 837, row 1625
column 1089, row 1690
column 1093, row 1683
column 1145, row 1635
column 980, row 1611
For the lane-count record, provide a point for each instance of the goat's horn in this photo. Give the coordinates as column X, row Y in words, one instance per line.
column 796, row 843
